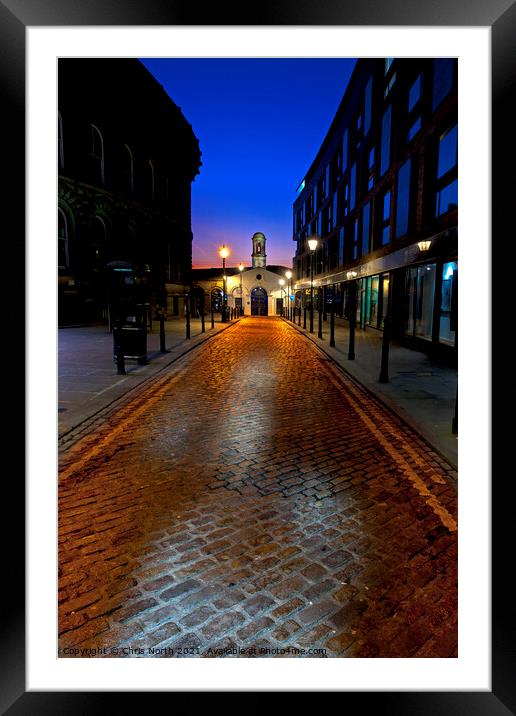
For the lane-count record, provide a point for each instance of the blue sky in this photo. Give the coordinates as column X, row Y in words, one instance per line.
column 259, row 123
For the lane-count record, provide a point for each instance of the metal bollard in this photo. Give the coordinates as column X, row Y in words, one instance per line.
column 119, row 351
column 304, row 317
column 319, row 332
column 212, row 319
column 187, row 317
column 203, row 326
column 162, row 343
column 332, row 327
column 299, row 317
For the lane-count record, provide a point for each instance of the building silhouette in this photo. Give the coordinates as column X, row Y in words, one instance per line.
column 127, row 157
column 381, row 197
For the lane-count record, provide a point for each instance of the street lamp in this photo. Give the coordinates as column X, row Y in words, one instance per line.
column 241, row 268
column 312, row 245
column 224, row 253
column 288, row 276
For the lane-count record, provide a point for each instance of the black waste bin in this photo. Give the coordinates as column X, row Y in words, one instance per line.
column 132, row 341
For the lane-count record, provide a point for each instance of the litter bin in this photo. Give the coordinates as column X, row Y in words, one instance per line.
column 132, row 341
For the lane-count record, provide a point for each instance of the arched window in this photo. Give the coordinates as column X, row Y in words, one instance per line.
column 62, row 239
column 97, row 151
column 60, row 149
column 97, row 243
column 152, row 180
column 128, row 169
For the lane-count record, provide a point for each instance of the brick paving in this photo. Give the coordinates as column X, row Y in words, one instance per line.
column 256, row 502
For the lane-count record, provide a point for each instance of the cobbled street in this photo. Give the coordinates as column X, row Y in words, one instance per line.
column 255, row 498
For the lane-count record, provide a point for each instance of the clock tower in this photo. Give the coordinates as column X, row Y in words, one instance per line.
column 259, row 256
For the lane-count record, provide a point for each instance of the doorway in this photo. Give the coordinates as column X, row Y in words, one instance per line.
column 259, row 302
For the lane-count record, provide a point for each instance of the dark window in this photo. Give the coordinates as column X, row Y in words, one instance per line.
column 414, row 94
column 402, row 200
column 97, row 151
column 367, row 106
column 60, row 140
column 370, row 170
column 386, row 218
column 414, row 129
column 443, row 80
column 447, row 185
column 366, row 229
column 355, row 240
column 353, row 186
column 386, row 141
column 62, row 239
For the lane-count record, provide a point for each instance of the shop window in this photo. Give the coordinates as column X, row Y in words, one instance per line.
column 374, row 282
column 420, row 296
column 62, row 240
column 447, row 185
column 448, row 310
column 402, row 200
column 385, row 159
column 443, row 80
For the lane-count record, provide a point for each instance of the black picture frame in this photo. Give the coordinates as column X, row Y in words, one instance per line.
column 500, row 15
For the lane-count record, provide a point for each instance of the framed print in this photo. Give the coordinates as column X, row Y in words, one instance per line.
column 479, row 678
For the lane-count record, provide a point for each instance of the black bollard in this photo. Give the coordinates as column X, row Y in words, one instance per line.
column 352, row 321
column 299, row 317
column 319, row 332
column 311, row 318
column 162, row 343
column 332, row 326
column 455, row 421
column 187, row 306
column 212, row 319
column 203, row 326
column 304, row 317
column 119, row 351
column 384, row 369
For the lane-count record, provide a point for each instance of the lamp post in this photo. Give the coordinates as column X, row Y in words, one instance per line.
column 312, row 245
column 288, row 276
column 224, row 253
column 282, row 283
column 241, row 268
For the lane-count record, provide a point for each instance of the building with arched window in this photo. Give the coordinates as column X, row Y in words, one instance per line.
column 127, row 158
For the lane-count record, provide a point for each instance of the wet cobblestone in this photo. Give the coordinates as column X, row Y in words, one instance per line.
column 258, row 497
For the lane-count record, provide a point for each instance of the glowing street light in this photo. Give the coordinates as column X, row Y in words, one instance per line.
column 313, row 243
column 288, row 276
column 241, row 268
column 224, row 253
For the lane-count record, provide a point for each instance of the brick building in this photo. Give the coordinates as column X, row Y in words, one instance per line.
column 127, row 157
column 381, row 197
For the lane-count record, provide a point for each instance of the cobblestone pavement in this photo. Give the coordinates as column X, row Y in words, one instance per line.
column 256, row 501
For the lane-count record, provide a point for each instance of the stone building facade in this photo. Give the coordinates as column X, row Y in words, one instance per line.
column 127, row 158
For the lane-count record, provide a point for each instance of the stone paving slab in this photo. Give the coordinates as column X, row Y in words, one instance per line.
column 256, row 503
